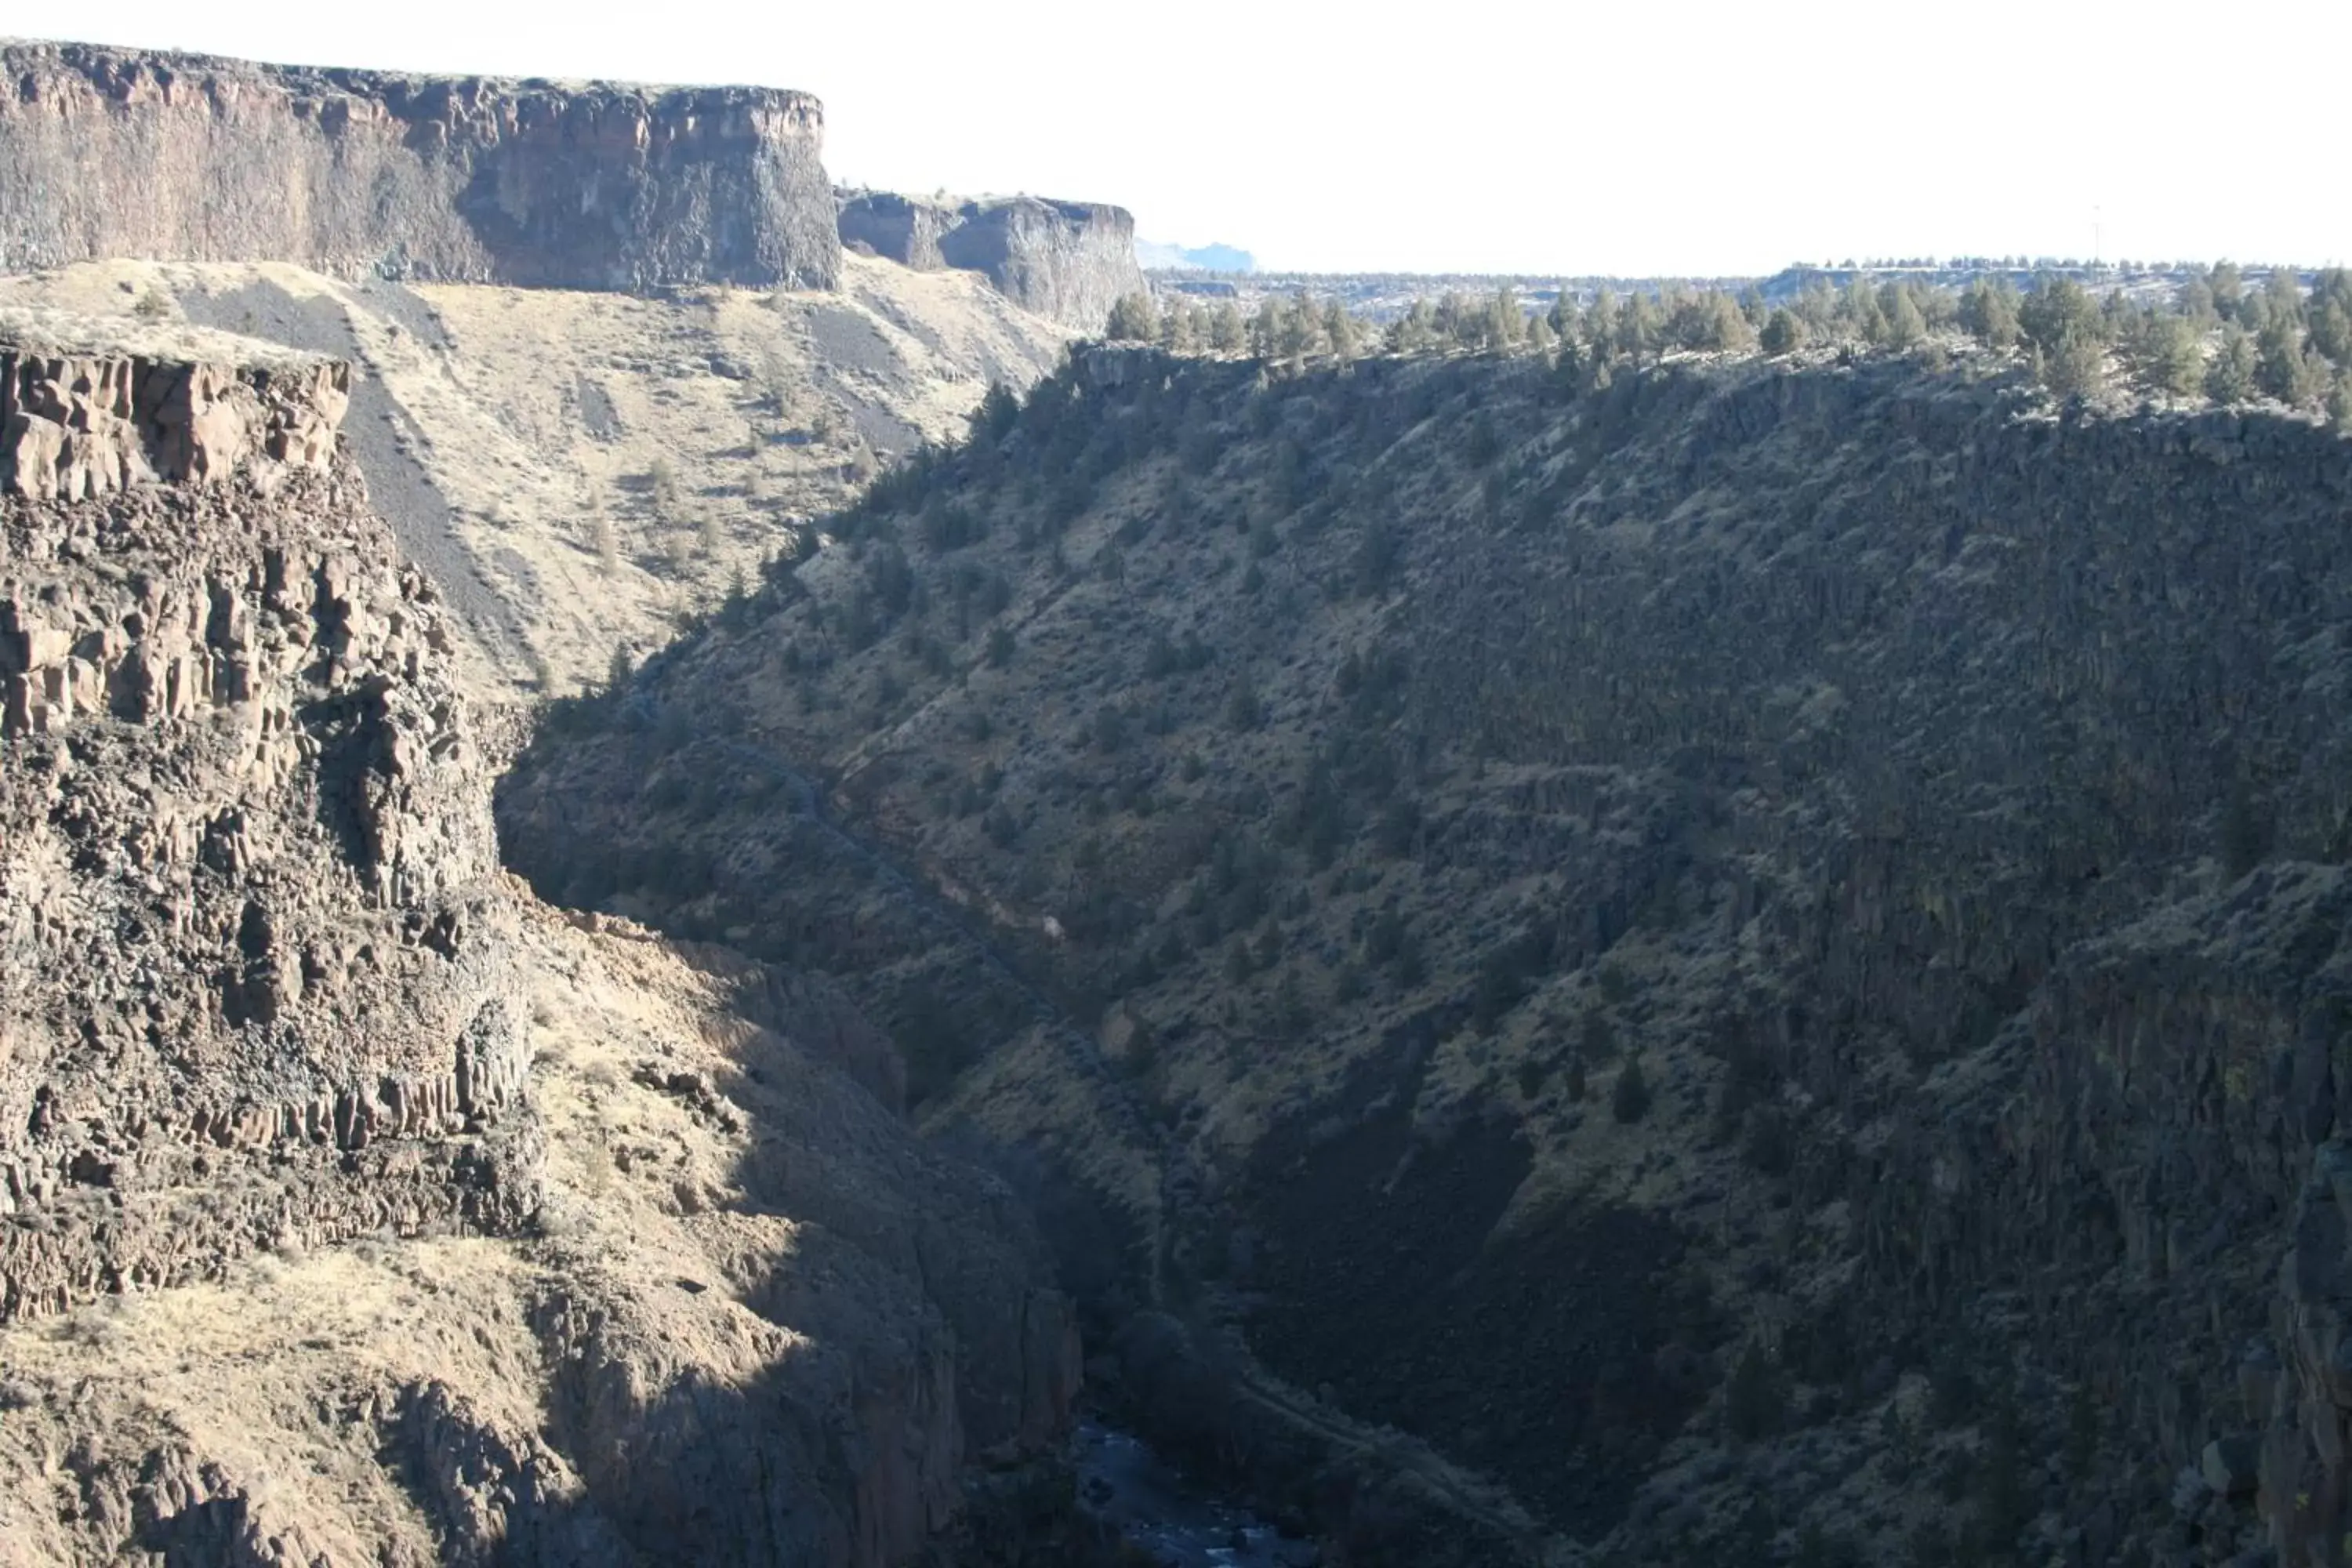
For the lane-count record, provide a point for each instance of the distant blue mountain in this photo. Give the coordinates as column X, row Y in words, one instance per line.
column 1206, row 258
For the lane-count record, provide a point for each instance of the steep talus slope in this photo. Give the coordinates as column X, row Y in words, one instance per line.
column 110, row 152
column 576, row 472
column 1597, row 923
column 352, row 1206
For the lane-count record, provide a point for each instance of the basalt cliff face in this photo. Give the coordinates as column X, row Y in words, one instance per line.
column 1066, row 260
column 257, row 988
column 110, row 153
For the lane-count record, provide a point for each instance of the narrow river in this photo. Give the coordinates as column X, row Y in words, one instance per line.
column 1128, row 1487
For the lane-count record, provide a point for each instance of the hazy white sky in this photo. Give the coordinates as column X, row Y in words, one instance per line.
column 1549, row 136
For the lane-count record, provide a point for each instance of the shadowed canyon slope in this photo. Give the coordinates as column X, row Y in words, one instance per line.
column 636, row 1262
column 1744, row 951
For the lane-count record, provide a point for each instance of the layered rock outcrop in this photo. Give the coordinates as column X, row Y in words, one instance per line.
column 114, row 152
column 255, row 988
column 1067, row 260
column 904, row 229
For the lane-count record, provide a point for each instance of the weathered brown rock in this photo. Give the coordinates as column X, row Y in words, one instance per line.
column 107, row 152
column 253, row 960
column 81, row 418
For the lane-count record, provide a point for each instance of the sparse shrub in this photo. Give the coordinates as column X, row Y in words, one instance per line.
column 1245, row 709
column 1628, row 1100
column 1770, row 1146
column 1000, row 646
column 1754, row 1400
column 2245, row 833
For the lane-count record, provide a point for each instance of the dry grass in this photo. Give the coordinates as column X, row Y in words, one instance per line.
column 612, row 463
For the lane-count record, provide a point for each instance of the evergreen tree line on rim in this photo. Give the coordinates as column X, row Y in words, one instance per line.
column 2217, row 335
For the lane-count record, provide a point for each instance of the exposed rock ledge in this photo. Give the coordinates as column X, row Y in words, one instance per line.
column 110, row 152
column 82, row 415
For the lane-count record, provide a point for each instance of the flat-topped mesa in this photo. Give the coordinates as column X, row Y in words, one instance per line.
column 113, row 152
column 1068, row 260
column 255, row 982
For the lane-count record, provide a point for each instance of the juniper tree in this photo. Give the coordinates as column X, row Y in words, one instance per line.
column 2281, row 370
column 2168, row 356
column 1564, row 316
column 2230, row 376
column 1226, row 334
column 1640, row 326
column 1600, row 325
column 1782, row 333
column 1340, row 330
column 2282, row 296
column 2228, row 286
column 1301, row 330
column 2059, row 310
column 1503, row 321
column 1859, row 311
column 2330, row 310
column 1904, row 324
column 1132, row 319
column 1265, row 331
column 1989, row 311
column 1416, row 332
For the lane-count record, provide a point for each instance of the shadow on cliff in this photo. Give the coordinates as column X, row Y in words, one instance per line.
column 1536, row 1351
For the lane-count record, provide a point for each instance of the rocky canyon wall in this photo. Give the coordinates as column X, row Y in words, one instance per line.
column 1067, row 260
column 254, row 986
column 118, row 152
